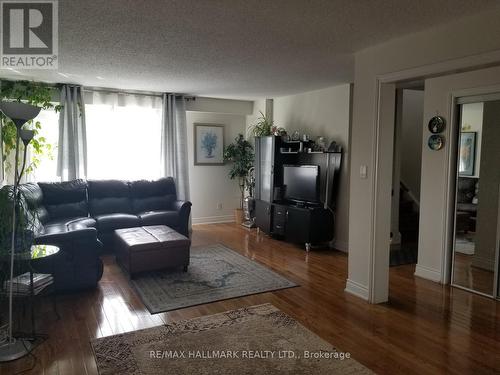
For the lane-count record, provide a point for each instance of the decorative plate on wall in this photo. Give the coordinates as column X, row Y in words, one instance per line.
column 436, row 142
column 436, row 124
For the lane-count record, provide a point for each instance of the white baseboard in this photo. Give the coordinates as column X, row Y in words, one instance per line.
column 428, row 273
column 352, row 287
column 340, row 245
column 213, row 219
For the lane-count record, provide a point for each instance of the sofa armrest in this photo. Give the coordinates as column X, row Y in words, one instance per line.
column 183, row 208
column 77, row 235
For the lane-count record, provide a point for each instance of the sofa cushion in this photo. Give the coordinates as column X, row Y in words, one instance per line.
column 152, row 195
column 466, row 189
column 73, row 223
column 168, row 218
column 110, row 222
column 65, row 199
column 108, row 197
column 33, row 196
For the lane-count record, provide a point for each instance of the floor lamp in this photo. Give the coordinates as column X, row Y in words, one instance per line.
column 20, row 114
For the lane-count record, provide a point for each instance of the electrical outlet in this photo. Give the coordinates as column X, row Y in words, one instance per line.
column 219, row 206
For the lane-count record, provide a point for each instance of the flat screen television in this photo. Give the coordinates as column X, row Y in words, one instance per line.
column 301, row 183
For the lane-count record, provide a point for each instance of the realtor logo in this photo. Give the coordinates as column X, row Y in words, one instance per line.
column 29, row 38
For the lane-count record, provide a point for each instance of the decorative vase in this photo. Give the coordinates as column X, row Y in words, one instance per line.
column 238, row 216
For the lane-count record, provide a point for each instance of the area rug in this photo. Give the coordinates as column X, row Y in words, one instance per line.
column 254, row 340
column 465, row 245
column 215, row 273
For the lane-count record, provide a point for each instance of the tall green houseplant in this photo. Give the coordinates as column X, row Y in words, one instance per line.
column 241, row 154
column 35, row 93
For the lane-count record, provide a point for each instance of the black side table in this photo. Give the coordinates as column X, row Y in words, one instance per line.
column 32, row 284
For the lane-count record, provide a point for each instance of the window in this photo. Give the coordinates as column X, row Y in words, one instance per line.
column 47, row 169
column 123, row 136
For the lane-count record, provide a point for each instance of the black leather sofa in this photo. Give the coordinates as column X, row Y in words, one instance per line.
column 80, row 216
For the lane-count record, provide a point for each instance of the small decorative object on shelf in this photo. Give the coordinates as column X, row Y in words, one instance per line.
column 334, row 147
column 320, row 144
column 296, row 136
column 305, row 137
column 436, row 142
column 278, row 131
column 436, row 124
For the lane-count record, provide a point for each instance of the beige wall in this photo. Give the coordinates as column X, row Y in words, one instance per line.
column 456, row 45
column 325, row 113
column 210, row 187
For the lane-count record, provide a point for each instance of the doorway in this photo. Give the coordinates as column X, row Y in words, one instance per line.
column 406, row 174
column 476, row 238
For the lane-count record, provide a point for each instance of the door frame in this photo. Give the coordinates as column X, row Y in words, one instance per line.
column 478, row 94
column 379, row 246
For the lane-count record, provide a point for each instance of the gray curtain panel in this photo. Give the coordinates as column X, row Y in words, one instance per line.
column 174, row 143
column 1, row 154
column 72, row 148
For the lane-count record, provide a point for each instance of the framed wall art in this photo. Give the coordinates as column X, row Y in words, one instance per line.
column 467, row 153
column 208, row 144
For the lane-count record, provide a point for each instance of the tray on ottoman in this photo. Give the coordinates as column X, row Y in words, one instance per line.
column 151, row 248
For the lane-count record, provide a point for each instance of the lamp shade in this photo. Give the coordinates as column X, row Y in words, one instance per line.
column 19, row 112
column 26, row 135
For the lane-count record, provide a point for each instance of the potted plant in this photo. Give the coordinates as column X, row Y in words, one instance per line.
column 265, row 127
column 35, row 93
column 240, row 153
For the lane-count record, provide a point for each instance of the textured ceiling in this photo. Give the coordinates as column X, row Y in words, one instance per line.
column 230, row 48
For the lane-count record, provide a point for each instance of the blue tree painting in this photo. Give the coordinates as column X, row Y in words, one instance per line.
column 209, row 143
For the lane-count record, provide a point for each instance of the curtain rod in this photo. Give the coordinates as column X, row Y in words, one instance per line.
column 131, row 92
column 102, row 89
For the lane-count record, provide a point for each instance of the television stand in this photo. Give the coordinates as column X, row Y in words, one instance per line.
column 307, row 224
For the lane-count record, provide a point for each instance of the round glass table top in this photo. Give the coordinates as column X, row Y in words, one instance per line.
column 36, row 252
column 42, row 251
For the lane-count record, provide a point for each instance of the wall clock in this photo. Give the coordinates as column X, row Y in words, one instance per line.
column 436, row 124
column 436, row 142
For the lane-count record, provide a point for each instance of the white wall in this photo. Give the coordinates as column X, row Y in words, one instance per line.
column 411, row 136
column 457, row 45
column 325, row 113
column 210, row 185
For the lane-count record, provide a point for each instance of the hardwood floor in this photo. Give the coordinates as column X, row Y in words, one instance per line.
column 426, row 328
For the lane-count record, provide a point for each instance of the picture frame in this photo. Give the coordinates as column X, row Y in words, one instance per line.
column 208, row 144
column 467, row 154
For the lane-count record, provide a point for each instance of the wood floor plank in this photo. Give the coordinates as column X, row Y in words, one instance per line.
column 425, row 328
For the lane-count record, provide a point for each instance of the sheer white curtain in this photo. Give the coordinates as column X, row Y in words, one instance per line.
column 174, row 143
column 47, row 167
column 123, row 135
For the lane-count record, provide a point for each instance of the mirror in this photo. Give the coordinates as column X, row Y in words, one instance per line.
column 475, row 265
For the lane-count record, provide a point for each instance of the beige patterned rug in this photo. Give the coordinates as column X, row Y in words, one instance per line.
column 215, row 273
column 254, row 340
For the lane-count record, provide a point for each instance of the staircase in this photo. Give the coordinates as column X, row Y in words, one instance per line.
column 408, row 227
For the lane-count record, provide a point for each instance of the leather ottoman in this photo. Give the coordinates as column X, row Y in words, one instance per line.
column 151, row 248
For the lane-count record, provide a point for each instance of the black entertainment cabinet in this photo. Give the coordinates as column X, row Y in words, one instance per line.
column 293, row 221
